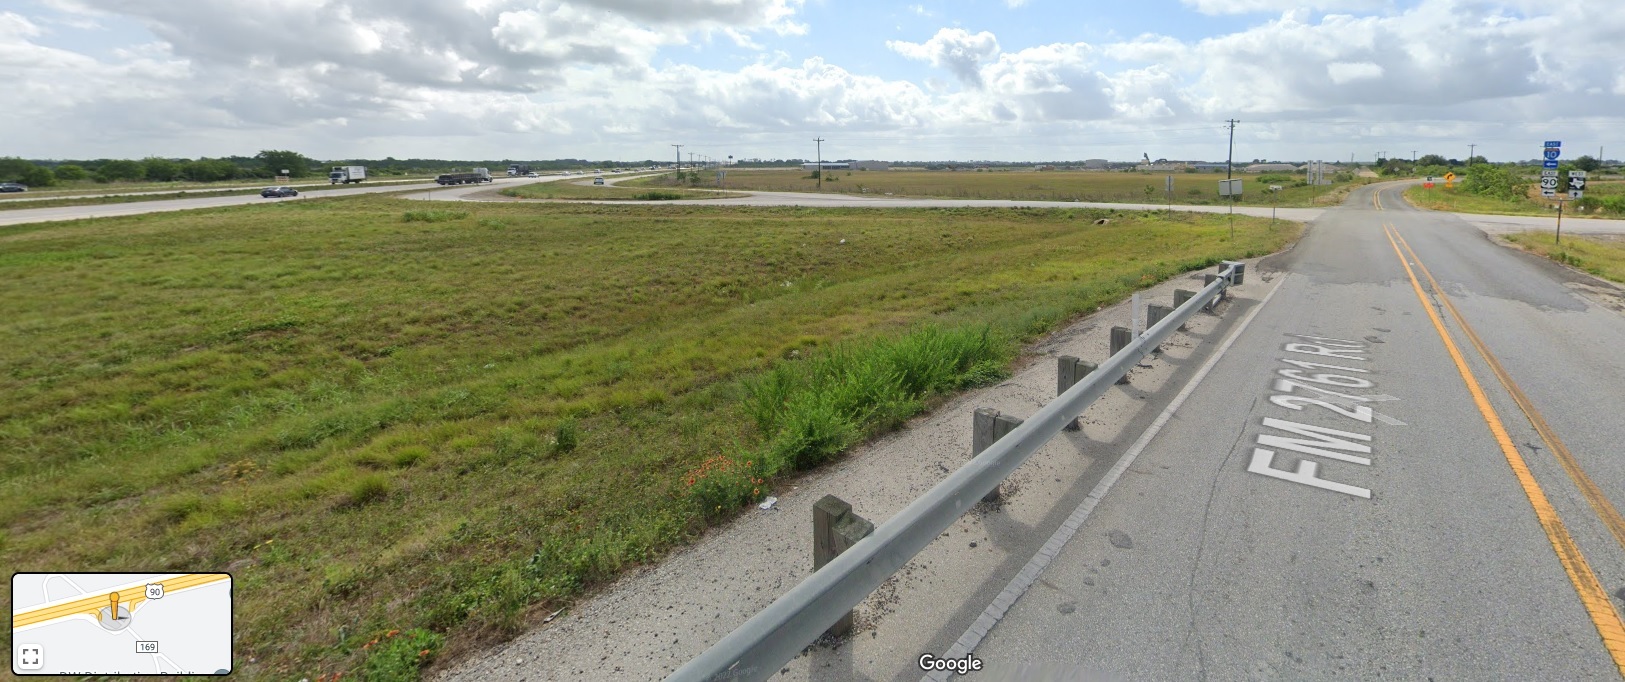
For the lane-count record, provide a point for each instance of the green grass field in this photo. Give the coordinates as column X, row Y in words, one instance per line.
column 1189, row 188
column 569, row 189
column 1600, row 256
column 1455, row 199
column 443, row 421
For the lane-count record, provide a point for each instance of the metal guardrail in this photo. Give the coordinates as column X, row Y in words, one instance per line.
column 776, row 634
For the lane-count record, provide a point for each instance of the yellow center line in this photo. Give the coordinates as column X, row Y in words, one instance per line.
column 1586, row 586
column 1593, row 494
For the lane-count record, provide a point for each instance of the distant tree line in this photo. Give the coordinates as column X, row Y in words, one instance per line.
column 265, row 165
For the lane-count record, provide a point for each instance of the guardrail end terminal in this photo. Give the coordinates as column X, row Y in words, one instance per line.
column 1238, row 274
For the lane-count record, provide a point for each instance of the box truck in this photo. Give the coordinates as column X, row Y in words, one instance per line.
column 347, row 174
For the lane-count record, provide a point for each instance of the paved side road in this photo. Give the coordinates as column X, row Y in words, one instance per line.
column 1278, row 531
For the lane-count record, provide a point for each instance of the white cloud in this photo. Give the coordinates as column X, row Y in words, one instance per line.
column 1280, row 6
column 1012, row 4
column 955, row 49
column 1348, row 72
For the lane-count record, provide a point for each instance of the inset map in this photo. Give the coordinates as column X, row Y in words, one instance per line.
column 121, row 623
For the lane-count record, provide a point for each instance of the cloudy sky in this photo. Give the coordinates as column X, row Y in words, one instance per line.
column 910, row 79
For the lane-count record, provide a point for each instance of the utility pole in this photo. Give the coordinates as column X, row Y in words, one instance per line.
column 679, row 160
column 1229, row 160
column 820, row 166
column 1470, row 150
column 1413, row 156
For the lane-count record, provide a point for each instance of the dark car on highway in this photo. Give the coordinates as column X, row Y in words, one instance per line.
column 13, row 187
column 279, row 192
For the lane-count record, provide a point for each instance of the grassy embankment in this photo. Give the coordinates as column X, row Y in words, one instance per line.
column 380, row 417
column 570, row 189
column 1598, row 255
column 1437, row 198
column 1189, row 188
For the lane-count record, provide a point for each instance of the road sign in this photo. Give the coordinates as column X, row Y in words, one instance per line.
column 1549, row 164
column 1449, row 177
column 1553, row 144
column 1548, row 192
column 1275, row 188
column 1552, row 154
column 1548, row 182
column 1576, row 194
column 1548, row 173
column 1230, row 188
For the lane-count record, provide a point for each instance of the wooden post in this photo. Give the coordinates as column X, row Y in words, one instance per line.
column 987, row 426
column 835, row 530
column 1070, row 371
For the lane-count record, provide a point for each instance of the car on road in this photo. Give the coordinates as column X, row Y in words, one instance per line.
column 597, row 181
column 532, row 174
column 279, row 192
column 13, row 187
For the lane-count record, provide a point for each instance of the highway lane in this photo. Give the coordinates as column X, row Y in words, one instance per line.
column 1438, row 536
column 38, row 215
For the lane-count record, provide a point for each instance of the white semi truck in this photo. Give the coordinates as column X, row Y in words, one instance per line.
column 347, row 174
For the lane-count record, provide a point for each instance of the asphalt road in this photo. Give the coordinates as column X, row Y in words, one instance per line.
column 1414, row 551
column 39, row 215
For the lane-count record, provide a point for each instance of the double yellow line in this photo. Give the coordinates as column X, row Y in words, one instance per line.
column 1590, row 590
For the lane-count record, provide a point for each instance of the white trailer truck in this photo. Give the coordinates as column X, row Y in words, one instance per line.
column 347, row 174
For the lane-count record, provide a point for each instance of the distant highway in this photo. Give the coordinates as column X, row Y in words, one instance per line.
column 833, row 200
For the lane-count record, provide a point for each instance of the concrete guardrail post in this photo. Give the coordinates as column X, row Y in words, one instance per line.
column 836, row 529
column 1069, row 371
column 987, row 426
column 1121, row 338
column 1180, row 297
column 1154, row 314
column 1238, row 275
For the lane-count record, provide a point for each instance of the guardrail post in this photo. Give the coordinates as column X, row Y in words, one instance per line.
column 1069, row 371
column 1154, row 314
column 835, row 529
column 1121, row 338
column 1180, row 297
column 989, row 425
column 1208, row 279
column 1239, row 274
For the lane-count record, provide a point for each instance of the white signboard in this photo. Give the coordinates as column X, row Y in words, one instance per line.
column 1230, row 188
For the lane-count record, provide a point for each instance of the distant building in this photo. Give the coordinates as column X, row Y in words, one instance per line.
column 1095, row 164
column 828, row 165
column 871, row 165
column 1271, row 168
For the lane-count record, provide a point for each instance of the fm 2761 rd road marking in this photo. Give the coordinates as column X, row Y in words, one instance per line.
column 1321, row 374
